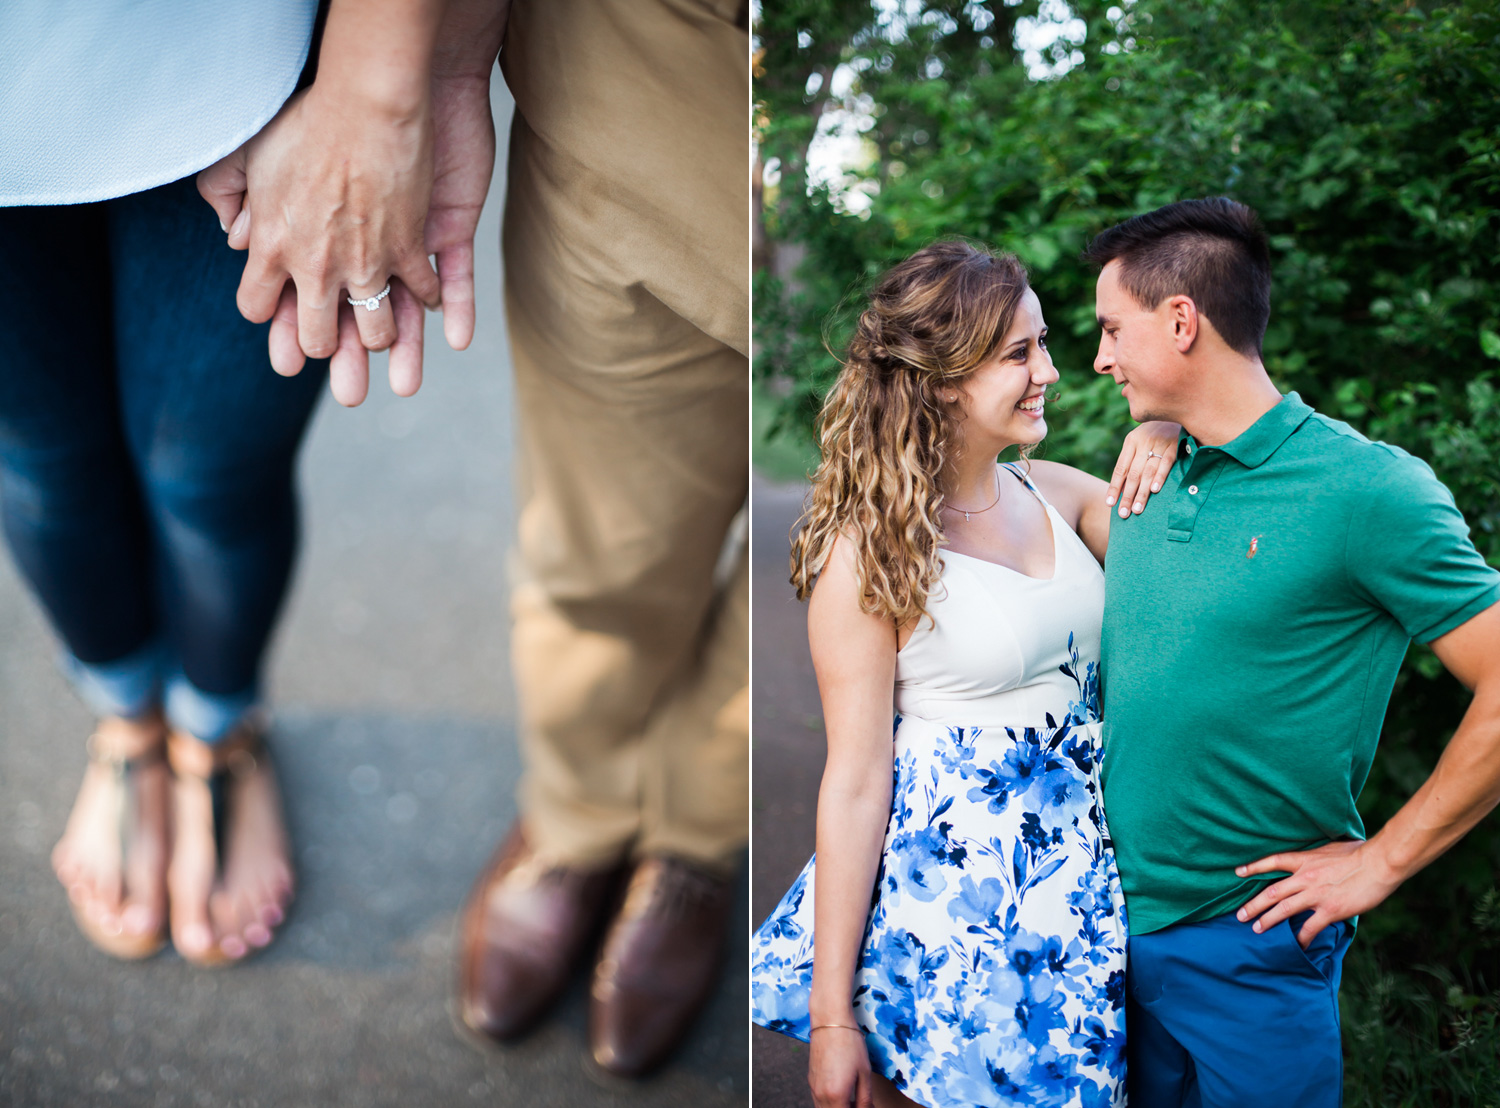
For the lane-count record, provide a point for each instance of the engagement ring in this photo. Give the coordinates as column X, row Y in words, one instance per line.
column 370, row 303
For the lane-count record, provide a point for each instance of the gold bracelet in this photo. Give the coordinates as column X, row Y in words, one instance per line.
column 845, row 1026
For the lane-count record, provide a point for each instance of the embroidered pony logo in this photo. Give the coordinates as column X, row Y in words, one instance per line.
column 1254, row 547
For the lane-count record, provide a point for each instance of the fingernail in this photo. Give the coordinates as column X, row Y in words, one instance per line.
column 1255, row 927
column 239, row 222
column 1156, row 487
column 1109, row 498
column 1240, row 915
column 223, row 226
column 1240, row 870
column 1140, row 506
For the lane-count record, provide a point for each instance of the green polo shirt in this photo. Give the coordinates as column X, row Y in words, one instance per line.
column 1255, row 616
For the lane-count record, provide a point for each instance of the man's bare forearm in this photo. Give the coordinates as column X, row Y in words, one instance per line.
column 1463, row 789
column 470, row 38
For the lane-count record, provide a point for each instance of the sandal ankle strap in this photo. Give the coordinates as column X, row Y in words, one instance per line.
column 237, row 754
column 118, row 742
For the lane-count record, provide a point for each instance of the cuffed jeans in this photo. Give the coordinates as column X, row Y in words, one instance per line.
column 147, row 452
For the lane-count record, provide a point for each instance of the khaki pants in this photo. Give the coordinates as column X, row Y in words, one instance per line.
column 626, row 258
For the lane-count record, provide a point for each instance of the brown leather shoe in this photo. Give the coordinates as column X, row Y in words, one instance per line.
column 524, row 928
column 660, row 963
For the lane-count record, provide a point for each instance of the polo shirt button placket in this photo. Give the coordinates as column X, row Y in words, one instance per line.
column 1188, row 503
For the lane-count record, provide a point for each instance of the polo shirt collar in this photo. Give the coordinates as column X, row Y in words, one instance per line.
column 1263, row 437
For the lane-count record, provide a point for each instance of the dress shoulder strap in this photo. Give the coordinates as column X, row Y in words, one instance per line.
column 1025, row 480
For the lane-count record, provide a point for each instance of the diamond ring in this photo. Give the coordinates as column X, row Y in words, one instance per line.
column 370, row 303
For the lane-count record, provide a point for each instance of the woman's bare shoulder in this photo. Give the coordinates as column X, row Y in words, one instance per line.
column 1066, row 488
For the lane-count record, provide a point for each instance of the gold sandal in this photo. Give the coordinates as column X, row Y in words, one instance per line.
column 118, row 745
column 215, row 767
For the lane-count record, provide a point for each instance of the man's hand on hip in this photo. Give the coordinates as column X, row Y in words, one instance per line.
column 1334, row 882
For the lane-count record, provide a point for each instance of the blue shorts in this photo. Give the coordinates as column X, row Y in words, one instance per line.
column 1218, row 1016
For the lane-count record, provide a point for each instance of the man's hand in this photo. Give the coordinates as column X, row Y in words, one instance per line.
column 1334, row 882
column 464, row 153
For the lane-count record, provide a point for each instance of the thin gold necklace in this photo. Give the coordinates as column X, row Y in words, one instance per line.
column 978, row 511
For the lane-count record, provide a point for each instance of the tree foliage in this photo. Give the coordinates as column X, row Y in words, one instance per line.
column 1367, row 135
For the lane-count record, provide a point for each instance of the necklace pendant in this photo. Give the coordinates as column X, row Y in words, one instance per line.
column 966, row 517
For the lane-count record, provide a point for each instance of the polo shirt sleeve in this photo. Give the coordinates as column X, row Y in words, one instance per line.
column 1408, row 551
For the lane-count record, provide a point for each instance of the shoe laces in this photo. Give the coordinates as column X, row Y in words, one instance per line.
column 669, row 889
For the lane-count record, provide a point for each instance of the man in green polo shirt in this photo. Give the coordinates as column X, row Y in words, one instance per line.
column 1257, row 611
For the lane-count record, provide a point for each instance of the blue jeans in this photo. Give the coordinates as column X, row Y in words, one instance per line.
column 147, row 451
column 1218, row 1016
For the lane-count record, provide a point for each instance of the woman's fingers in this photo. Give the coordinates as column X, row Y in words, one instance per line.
column 456, row 271
column 1122, row 471
column 406, row 353
column 260, row 287
column 1132, row 493
column 349, row 368
column 377, row 324
column 317, row 319
column 287, row 358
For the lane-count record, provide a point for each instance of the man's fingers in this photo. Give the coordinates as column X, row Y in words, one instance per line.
column 417, row 274
column 1312, row 925
column 864, row 1095
column 318, row 320
column 1288, row 908
column 1261, row 902
column 349, row 368
column 456, row 271
column 1269, row 864
column 223, row 186
column 406, row 354
column 377, row 326
column 287, row 358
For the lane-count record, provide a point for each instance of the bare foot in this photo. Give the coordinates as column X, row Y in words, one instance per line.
column 222, row 913
column 120, row 909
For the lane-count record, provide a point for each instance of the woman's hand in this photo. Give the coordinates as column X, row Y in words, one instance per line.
column 838, row 1069
column 1146, row 457
column 335, row 202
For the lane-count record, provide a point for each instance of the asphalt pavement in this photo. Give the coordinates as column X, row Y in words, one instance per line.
column 394, row 727
column 787, row 749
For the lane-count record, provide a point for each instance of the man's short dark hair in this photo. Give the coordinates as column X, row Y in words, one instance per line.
column 1212, row 250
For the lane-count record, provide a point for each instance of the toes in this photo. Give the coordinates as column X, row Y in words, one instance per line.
column 140, row 919
column 194, row 939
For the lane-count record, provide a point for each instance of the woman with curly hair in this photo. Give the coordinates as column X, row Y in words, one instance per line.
column 966, row 944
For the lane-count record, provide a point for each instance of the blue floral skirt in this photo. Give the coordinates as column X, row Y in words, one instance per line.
column 993, row 968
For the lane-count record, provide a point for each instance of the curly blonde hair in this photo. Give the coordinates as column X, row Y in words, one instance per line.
column 885, row 433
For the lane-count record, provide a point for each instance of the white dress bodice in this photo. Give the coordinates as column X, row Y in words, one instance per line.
column 1004, row 649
